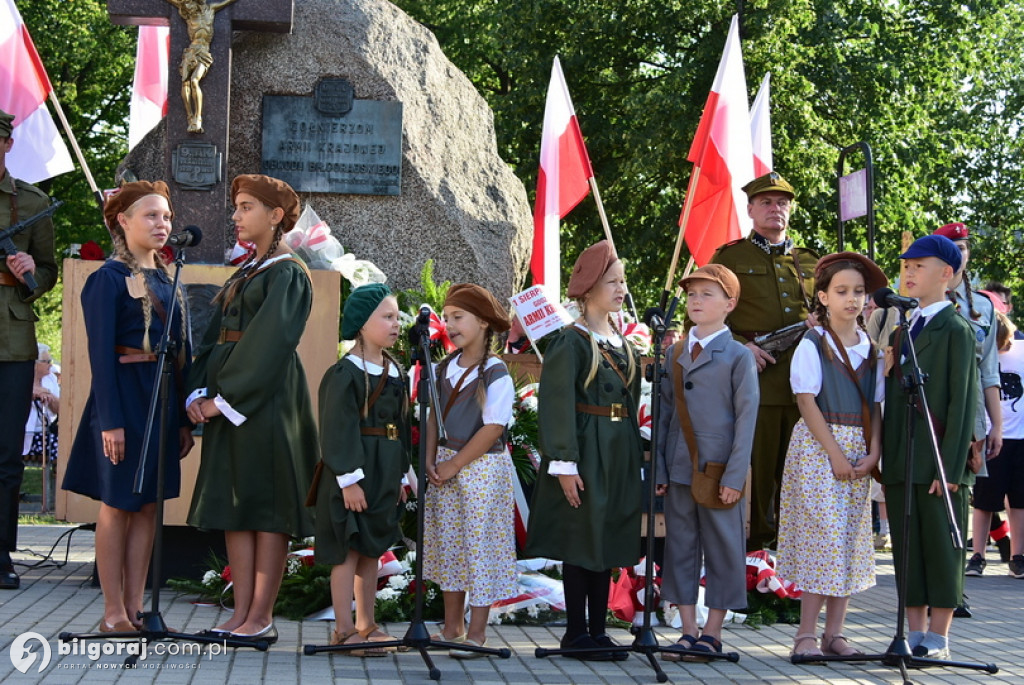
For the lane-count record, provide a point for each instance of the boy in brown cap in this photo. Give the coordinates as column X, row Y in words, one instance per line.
column 711, row 383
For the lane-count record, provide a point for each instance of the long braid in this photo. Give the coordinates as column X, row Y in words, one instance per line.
column 627, row 349
column 975, row 315
column 247, row 271
column 595, row 352
column 481, row 387
column 122, row 251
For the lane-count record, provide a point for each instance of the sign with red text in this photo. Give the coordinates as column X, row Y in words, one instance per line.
column 538, row 313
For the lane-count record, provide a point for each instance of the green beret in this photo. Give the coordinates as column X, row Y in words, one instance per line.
column 5, row 124
column 359, row 306
column 770, row 182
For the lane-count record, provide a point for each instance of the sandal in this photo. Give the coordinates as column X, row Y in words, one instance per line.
column 705, row 643
column 375, row 634
column 828, row 646
column 814, row 651
column 672, row 652
column 343, row 638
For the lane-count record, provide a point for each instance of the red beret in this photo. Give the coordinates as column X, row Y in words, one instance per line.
column 954, row 231
column 272, row 192
column 589, row 268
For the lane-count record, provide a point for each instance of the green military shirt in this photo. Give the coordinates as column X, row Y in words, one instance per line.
column 17, row 320
column 772, row 292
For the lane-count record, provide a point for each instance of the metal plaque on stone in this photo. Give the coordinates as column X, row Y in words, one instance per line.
column 357, row 153
column 334, row 97
column 196, row 166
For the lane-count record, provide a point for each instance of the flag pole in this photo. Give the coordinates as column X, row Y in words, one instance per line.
column 687, row 205
column 97, row 195
column 608, row 234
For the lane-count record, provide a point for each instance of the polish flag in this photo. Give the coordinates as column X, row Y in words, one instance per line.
column 761, row 128
column 722, row 151
column 149, row 87
column 39, row 152
column 562, row 182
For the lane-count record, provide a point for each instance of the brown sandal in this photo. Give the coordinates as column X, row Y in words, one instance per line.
column 814, row 651
column 828, row 646
column 343, row 638
column 381, row 636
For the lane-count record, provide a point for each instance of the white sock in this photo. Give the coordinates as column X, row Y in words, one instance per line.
column 915, row 638
column 935, row 641
column 883, row 527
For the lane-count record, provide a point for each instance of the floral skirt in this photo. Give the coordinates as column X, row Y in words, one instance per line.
column 469, row 542
column 825, row 542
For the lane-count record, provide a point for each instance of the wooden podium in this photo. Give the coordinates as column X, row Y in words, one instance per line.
column 318, row 350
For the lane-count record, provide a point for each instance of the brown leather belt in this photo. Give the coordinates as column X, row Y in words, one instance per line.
column 616, row 412
column 390, row 431
column 228, row 335
column 133, row 355
column 8, row 279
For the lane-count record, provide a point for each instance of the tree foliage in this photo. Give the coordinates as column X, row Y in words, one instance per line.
column 932, row 86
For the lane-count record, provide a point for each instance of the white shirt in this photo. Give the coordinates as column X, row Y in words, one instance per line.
column 1011, row 371
column 805, row 368
column 692, row 338
column 501, row 394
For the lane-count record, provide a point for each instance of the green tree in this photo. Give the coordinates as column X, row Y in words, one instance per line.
column 90, row 63
column 932, row 86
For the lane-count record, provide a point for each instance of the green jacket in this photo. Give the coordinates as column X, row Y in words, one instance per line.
column 770, row 298
column 945, row 350
column 17, row 320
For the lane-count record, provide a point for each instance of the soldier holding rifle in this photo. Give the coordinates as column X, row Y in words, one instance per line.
column 776, row 284
column 31, row 259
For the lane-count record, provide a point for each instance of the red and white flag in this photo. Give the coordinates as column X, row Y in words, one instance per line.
column 149, row 87
column 39, row 152
column 562, row 182
column 761, row 128
column 722, row 151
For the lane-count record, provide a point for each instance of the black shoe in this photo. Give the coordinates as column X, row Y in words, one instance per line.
column 963, row 610
column 618, row 654
column 976, row 566
column 1017, row 566
column 584, row 642
column 1003, row 545
column 9, row 580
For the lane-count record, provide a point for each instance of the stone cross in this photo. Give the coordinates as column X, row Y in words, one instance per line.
column 195, row 167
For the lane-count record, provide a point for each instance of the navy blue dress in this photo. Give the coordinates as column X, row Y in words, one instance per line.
column 120, row 393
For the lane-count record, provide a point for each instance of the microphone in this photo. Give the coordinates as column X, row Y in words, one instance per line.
column 885, row 298
column 424, row 317
column 654, row 317
column 190, row 237
column 421, row 327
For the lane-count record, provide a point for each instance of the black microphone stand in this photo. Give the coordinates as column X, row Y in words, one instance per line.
column 417, row 636
column 153, row 625
column 899, row 653
column 646, row 642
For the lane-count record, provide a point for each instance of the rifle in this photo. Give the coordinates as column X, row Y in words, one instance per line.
column 782, row 339
column 7, row 245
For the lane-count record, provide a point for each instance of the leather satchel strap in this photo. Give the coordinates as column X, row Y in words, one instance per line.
column 607, row 356
column 681, row 409
column 865, row 407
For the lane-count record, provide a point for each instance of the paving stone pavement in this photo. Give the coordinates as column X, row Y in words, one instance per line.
column 53, row 600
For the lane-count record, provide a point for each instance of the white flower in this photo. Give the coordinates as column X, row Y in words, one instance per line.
column 210, row 577
column 431, row 594
column 532, row 611
column 293, row 565
column 357, row 271
column 543, row 606
column 399, row 582
column 410, row 557
column 387, row 593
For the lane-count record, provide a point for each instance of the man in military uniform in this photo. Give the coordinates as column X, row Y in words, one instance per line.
column 18, row 201
column 776, row 287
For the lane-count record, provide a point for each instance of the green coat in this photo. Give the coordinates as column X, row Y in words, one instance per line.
column 946, row 352
column 255, row 476
column 770, row 298
column 343, row 449
column 604, row 532
column 17, row 320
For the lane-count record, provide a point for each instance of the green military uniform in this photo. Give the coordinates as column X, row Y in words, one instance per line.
column 18, row 201
column 776, row 283
column 946, row 351
column 255, row 476
column 345, row 449
column 604, row 532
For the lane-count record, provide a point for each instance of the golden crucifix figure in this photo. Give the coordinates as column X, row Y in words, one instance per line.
column 196, row 59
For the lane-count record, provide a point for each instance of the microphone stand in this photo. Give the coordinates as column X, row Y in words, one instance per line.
column 646, row 643
column 153, row 625
column 417, row 636
column 899, row 653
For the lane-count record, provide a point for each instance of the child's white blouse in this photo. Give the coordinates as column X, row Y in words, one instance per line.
column 805, row 369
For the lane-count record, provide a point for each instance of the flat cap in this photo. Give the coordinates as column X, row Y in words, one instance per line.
column 935, row 246
column 716, row 273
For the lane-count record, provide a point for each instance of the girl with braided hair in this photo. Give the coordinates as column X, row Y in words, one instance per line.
column 469, row 505
column 588, row 497
column 249, row 389
column 126, row 304
column 825, row 541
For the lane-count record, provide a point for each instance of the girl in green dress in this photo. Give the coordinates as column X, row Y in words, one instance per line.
column 587, row 502
column 249, row 389
column 364, row 441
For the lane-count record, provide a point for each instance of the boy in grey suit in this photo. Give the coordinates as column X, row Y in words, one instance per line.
column 719, row 381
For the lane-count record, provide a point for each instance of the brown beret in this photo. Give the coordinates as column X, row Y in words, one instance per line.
column 716, row 273
column 589, row 268
column 6, row 124
column 771, row 182
column 873, row 276
column 271, row 192
column 130, row 193
column 480, row 303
